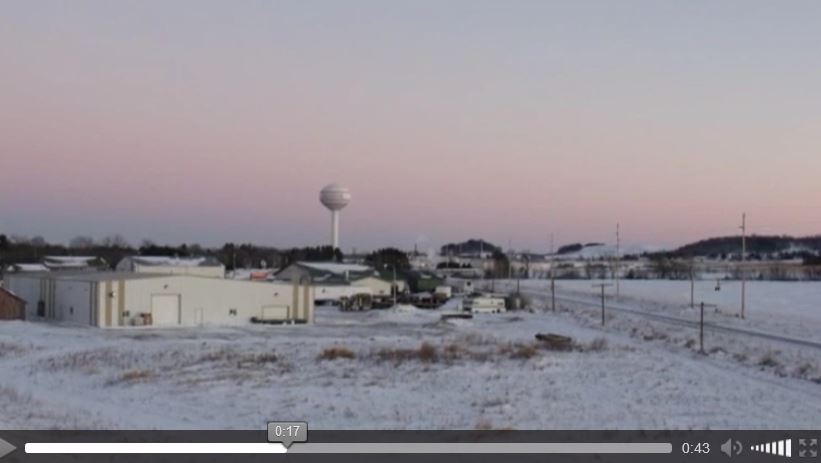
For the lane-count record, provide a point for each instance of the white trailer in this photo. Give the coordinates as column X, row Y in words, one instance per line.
column 445, row 292
column 484, row 303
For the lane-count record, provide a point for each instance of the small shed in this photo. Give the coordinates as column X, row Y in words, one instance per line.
column 12, row 306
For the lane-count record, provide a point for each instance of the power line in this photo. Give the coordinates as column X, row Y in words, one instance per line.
column 743, row 259
column 618, row 258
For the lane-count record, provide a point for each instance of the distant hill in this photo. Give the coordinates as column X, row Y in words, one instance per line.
column 602, row 251
column 469, row 246
column 756, row 244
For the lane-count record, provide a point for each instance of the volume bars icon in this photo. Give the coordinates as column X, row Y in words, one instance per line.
column 780, row 447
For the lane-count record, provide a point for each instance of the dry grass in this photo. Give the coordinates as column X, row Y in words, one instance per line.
column 768, row 360
column 132, row 377
column 553, row 341
column 484, row 424
column 257, row 359
column 521, row 351
column 10, row 349
column 426, row 353
column 241, row 359
column 333, row 353
column 596, row 345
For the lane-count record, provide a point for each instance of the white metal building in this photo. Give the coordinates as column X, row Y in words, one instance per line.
column 111, row 299
column 333, row 281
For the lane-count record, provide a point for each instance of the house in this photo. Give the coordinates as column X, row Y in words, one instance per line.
column 423, row 281
column 117, row 299
column 12, row 306
column 324, row 271
column 17, row 268
column 61, row 263
column 75, row 263
column 332, row 280
column 194, row 266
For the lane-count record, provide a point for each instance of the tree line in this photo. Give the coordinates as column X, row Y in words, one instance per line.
column 15, row 249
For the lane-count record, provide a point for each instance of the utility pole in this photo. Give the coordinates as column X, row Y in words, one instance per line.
column 552, row 275
column 701, row 326
column 509, row 259
column 602, row 286
column 618, row 258
column 692, row 265
column 395, row 288
column 701, row 330
column 692, row 288
column 743, row 260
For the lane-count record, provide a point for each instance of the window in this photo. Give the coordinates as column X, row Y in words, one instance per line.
column 232, row 312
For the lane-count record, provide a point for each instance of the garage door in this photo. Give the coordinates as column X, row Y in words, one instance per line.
column 165, row 309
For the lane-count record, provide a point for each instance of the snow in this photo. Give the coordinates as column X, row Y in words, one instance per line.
column 600, row 251
column 170, row 261
column 484, row 376
column 29, row 268
column 337, row 269
column 70, row 260
column 65, row 262
column 789, row 308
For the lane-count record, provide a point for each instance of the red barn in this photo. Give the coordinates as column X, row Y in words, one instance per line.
column 12, row 307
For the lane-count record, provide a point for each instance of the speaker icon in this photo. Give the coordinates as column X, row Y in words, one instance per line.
column 732, row 447
column 781, row 448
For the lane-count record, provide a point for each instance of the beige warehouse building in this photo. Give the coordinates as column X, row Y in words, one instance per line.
column 113, row 299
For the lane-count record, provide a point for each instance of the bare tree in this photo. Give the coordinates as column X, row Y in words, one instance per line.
column 115, row 241
column 19, row 239
column 81, row 242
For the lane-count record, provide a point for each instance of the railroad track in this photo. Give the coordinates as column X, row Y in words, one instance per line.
column 711, row 326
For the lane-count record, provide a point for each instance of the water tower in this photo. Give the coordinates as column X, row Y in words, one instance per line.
column 335, row 197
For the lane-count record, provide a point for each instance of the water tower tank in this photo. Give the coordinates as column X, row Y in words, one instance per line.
column 335, row 197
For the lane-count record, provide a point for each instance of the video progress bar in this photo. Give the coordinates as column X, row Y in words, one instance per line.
column 349, row 448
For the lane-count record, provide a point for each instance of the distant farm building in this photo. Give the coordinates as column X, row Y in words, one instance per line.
column 61, row 263
column 17, row 268
column 74, row 263
column 193, row 266
column 423, row 281
column 113, row 299
column 12, row 307
column 333, row 281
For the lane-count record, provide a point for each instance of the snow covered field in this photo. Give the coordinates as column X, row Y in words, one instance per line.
column 788, row 308
column 392, row 370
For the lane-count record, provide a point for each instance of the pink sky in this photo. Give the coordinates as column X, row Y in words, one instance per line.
column 210, row 128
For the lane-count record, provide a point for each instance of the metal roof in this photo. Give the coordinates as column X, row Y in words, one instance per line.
column 91, row 276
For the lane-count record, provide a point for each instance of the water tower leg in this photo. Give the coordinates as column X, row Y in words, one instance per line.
column 335, row 229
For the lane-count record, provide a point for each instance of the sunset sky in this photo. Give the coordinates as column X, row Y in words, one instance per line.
column 215, row 121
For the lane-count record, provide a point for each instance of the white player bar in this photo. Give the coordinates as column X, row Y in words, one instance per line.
column 348, row 448
column 153, row 447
